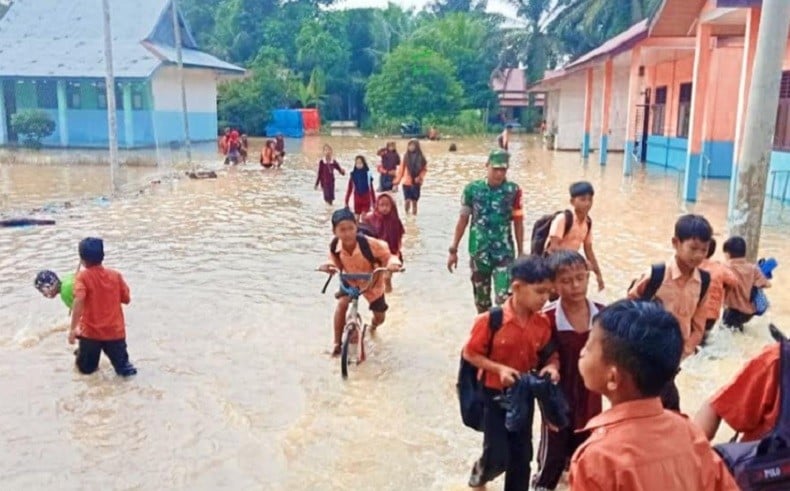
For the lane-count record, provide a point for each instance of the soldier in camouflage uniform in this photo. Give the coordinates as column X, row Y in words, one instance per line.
column 490, row 205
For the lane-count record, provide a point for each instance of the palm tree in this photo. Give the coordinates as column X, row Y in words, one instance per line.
column 534, row 45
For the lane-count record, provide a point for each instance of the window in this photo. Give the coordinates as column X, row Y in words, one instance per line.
column 684, row 110
column 782, row 135
column 659, row 111
column 46, row 94
column 101, row 95
column 73, row 95
column 138, row 99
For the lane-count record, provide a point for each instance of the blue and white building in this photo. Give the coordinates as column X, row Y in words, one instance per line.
column 52, row 58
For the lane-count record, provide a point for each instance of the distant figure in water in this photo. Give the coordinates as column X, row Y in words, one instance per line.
column 234, row 148
column 326, row 174
column 411, row 174
column 268, row 154
column 49, row 285
column 361, row 186
column 453, row 147
column 388, row 227
column 433, row 134
column 388, row 169
column 504, row 138
column 279, row 147
column 244, row 148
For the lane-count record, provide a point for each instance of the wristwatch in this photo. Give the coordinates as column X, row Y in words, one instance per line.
column 453, row 250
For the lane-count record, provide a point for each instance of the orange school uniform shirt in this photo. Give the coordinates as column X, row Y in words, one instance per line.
column 404, row 176
column 639, row 446
column 721, row 278
column 749, row 275
column 103, row 292
column 680, row 297
column 516, row 344
column 579, row 234
column 356, row 262
column 750, row 402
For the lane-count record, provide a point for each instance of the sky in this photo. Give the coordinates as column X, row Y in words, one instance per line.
column 498, row 6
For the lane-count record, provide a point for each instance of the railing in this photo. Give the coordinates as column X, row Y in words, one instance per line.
column 775, row 175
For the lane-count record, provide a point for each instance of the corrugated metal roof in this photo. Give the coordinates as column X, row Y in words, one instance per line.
column 65, row 38
column 193, row 58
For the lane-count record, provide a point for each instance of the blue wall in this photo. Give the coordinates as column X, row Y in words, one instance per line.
column 667, row 152
column 717, row 161
column 780, row 161
column 88, row 128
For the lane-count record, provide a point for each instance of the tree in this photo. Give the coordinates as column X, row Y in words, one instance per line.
column 247, row 104
column 472, row 43
column 444, row 7
column 414, row 83
column 34, row 125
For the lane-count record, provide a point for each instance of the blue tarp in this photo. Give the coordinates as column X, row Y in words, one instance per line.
column 286, row 121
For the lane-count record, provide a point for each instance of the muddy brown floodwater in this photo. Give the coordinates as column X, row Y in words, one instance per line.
column 228, row 327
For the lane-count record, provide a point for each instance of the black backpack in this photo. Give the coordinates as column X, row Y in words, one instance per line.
column 468, row 386
column 364, row 247
column 657, row 273
column 765, row 464
column 540, row 231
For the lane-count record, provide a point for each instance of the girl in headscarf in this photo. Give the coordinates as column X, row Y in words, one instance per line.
column 411, row 175
column 360, row 184
column 388, row 169
column 386, row 224
column 326, row 174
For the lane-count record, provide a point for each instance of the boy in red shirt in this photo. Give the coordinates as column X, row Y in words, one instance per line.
column 97, row 316
column 514, row 349
column 633, row 351
column 572, row 318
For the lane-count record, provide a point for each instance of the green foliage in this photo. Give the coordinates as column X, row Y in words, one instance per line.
column 415, row 83
column 34, row 125
column 247, row 104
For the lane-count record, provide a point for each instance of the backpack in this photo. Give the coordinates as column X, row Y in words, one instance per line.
column 470, row 388
column 765, row 464
column 540, row 231
column 363, row 232
column 657, row 273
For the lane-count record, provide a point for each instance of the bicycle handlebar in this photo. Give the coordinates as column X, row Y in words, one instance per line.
column 356, row 291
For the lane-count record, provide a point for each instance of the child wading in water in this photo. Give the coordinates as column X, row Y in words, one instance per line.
column 388, row 169
column 268, row 154
column 388, row 227
column 48, row 283
column 411, row 175
column 97, row 315
column 326, row 175
column 360, row 185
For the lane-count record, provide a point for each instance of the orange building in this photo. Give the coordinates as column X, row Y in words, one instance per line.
column 671, row 91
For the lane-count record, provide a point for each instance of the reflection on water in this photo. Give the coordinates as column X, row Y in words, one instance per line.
column 228, row 327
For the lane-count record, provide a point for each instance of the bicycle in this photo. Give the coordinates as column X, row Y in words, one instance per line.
column 352, row 342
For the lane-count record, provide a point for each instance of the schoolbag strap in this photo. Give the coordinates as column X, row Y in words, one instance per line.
column 783, row 423
column 657, row 273
column 495, row 317
column 705, row 284
column 568, row 221
column 364, row 248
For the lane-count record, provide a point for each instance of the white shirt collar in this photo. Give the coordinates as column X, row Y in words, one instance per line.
column 562, row 320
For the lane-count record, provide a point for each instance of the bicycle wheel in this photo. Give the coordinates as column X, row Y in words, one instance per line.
column 349, row 333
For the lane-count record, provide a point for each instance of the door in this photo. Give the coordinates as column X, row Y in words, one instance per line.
column 9, row 97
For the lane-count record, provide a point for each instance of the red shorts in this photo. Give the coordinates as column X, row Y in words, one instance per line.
column 361, row 203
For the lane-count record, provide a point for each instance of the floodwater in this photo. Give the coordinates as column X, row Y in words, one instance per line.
column 228, row 327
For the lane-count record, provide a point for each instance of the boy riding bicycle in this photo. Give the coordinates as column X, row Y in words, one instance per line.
column 352, row 252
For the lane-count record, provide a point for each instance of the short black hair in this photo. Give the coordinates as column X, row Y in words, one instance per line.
column 531, row 269
column 342, row 215
column 711, row 248
column 91, row 251
column 581, row 188
column 644, row 340
column 690, row 227
column 735, row 247
column 565, row 258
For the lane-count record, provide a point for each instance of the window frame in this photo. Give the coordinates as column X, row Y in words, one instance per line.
column 659, row 111
column 685, row 95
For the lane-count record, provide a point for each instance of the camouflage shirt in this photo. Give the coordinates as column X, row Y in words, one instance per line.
column 492, row 211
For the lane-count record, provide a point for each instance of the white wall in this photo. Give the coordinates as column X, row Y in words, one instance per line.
column 570, row 121
column 201, row 88
column 618, row 117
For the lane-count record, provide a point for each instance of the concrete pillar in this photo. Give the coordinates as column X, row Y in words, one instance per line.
column 606, row 107
column 3, row 129
column 702, row 58
column 588, row 97
column 128, row 117
column 633, row 101
column 63, row 119
column 749, row 48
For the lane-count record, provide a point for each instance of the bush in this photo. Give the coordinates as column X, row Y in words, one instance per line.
column 34, row 125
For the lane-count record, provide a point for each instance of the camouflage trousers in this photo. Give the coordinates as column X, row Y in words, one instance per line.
column 483, row 275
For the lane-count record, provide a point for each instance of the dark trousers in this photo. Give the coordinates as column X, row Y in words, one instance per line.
column 503, row 451
column 554, row 454
column 670, row 397
column 735, row 318
column 90, row 351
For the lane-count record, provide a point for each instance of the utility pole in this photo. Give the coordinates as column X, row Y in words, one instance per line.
column 747, row 218
column 109, row 82
column 179, row 59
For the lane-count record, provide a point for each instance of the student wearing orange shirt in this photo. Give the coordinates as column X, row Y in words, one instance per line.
column 514, row 349
column 738, row 301
column 411, row 175
column 721, row 279
column 633, row 351
column 749, row 403
column 97, row 315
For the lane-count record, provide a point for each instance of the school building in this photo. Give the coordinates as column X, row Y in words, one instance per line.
column 52, row 58
column 671, row 91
